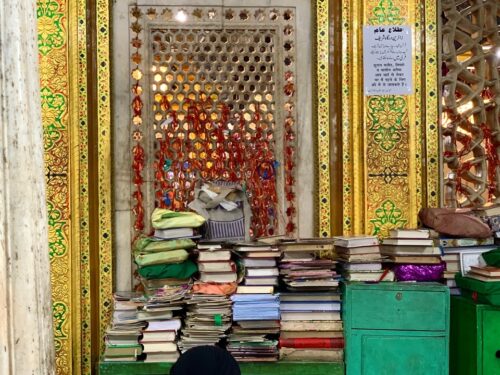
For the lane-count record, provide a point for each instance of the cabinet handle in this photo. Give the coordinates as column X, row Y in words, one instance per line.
column 399, row 296
column 497, row 354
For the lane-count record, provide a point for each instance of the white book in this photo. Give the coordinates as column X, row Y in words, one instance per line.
column 250, row 262
column 262, row 272
column 316, row 315
column 216, row 267
column 362, row 266
column 218, row 277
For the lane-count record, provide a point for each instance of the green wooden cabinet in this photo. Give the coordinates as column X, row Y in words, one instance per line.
column 396, row 328
column 278, row 368
column 475, row 338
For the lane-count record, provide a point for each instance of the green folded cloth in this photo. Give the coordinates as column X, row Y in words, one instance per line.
column 145, row 244
column 164, row 257
column 182, row 270
column 492, row 258
column 166, row 219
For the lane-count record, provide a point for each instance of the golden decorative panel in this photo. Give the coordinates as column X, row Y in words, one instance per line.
column 386, row 164
column 54, row 79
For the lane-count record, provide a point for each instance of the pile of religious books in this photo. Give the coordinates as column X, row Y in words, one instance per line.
column 214, row 263
column 255, row 324
column 311, row 327
column 484, row 273
column 208, row 318
column 459, row 254
column 359, row 258
column 308, row 265
column 410, row 246
column 122, row 336
column 258, row 262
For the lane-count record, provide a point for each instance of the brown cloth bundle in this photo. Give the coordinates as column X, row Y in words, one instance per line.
column 453, row 222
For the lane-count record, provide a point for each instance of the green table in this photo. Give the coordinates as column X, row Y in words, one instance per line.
column 277, row 368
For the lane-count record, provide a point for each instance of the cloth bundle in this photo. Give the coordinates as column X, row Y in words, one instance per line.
column 226, row 210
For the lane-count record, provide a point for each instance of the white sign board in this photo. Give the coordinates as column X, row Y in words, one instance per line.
column 387, row 60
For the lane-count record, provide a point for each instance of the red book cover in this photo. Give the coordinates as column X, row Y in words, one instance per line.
column 310, row 343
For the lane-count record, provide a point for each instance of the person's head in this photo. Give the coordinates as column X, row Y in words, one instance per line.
column 206, row 360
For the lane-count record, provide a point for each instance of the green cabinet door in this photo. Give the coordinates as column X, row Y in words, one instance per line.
column 393, row 353
column 491, row 342
column 475, row 338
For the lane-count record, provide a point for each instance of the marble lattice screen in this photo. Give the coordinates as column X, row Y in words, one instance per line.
column 213, row 94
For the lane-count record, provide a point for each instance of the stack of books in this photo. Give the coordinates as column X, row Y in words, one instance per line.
column 256, row 324
column 491, row 216
column 258, row 260
column 359, row 258
column 484, row 273
column 410, row 246
column 208, row 318
column 159, row 340
column 215, row 264
column 459, row 254
column 162, row 312
column 311, row 327
column 122, row 336
column 308, row 265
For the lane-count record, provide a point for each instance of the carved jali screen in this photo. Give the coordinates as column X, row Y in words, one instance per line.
column 471, row 101
column 213, row 99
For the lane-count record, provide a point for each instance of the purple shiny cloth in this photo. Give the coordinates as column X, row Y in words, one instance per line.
column 419, row 272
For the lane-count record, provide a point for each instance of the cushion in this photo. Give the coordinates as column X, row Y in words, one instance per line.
column 454, row 222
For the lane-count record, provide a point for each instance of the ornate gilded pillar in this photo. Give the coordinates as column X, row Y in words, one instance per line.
column 73, row 44
column 25, row 309
column 389, row 143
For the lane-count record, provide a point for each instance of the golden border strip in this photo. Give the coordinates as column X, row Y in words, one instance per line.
column 104, row 165
column 347, row 172
column 84, row 291
column 74, row 177
column 358, row 136
column 431, row 68
column 414, row 119
column 323, row 118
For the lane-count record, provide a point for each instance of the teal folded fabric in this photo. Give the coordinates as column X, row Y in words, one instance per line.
column 167, row 219
column 182, row 270
column 145, row 244
column 164, row 257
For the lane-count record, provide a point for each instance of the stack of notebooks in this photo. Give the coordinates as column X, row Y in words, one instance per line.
column 215, row 264
column 208, row 318
column 410, row 246
column 256, row 324
column 359, row 258
column 308, row 265
column 484, row 273
column 258, row 260
column 311, row 327
column 122, row 336
column 459, row 254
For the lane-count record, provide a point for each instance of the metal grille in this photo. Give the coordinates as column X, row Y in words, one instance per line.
column 471, row 102
column 221, row 106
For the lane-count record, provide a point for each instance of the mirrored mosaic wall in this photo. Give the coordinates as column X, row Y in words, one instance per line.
column 471, row 101
column 213, row 99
